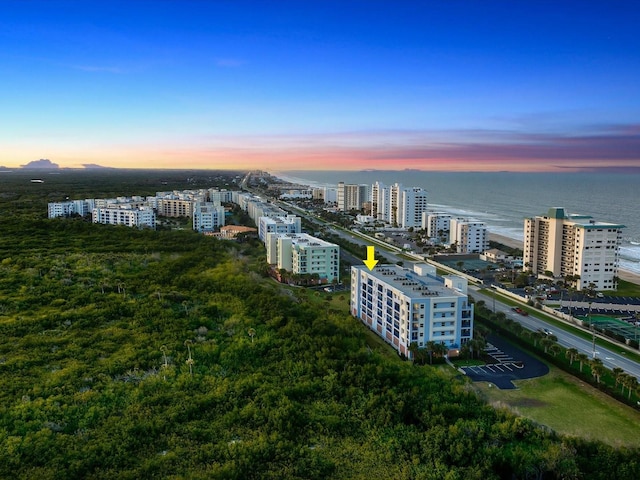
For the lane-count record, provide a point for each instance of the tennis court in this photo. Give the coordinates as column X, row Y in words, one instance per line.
column 615, row 325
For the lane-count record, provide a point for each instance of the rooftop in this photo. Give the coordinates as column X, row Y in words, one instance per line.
column 410, row 282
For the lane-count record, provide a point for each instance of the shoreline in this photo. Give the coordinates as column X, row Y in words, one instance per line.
column 625, row 275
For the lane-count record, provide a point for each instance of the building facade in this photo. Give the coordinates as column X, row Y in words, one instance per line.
column 468, row 235
column 573, row 246
column 405, row 306
column 208, row 217
column 71, row 207
column 169, row 207
column 412, row 203
column 351, row 197
column 284, row 224
column 436, row 224
column 142, row 217
column 302, row 254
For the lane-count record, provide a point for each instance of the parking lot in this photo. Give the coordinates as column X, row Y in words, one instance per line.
column 511, row 363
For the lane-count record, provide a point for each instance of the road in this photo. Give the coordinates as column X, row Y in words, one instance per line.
column 611, row 357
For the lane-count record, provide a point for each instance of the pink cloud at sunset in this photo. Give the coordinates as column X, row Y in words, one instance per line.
column 473, row 150
column 617, row 146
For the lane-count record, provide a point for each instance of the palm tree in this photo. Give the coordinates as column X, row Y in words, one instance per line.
column 597, row 369
column 517, row 329
column 617, row 374
column 501, row 316
column 413, row 349
column 441, row 349
column 430, row 346
column 252, row 333
column 582, row 358
column 631, row 383
column 571, row 353
column 481, row 330
column 536, row 336
column 555, row 349
column 621, row 379
column 165, row 365
column 546, row 343
column 190, row 360
column 476, row 345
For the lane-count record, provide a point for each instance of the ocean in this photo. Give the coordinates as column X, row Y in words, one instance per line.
column 504, row 199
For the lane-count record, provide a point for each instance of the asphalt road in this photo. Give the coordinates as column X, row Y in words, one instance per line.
column 611, row 357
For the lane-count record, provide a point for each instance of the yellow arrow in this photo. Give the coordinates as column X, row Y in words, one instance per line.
column 371, row 261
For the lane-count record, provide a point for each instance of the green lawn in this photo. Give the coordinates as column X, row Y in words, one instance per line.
column 570, row 407
column 625, row 289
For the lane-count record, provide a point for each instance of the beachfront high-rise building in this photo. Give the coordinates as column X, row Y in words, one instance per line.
column 398, row 206
column 375, row 199
column 405, row 306
column 351, row 197
column 436, row 224
column 573, row 245
column 412, row 203
column 469, row 236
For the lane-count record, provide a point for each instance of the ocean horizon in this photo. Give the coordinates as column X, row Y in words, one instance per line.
column 503, row 200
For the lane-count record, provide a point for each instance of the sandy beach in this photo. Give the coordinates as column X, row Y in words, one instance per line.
column 510, row 242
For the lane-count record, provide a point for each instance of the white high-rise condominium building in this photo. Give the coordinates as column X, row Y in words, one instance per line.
column 405, row 306
column 351, row 197
column 398, row 206
column 208, row 216
column 303, row 254
column 573, row 245
column 283, row 224
column 468, row 235
column 376, row 188
column 388, row 201
column 412, row 203
column 141, row 217
column 437, row 224
column 327, row 194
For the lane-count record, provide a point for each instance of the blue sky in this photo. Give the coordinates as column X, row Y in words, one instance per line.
column 321, row 84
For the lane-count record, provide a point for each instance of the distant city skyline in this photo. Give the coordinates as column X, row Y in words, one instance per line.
column 459, row 86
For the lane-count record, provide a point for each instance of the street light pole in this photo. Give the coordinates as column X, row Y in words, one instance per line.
column 593, row 332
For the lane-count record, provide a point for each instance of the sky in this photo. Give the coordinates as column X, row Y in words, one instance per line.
column 321, row 84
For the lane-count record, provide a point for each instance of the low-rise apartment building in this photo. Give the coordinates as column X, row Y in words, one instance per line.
column 284, row 224
column 405, row 306
column 208, row 217
column 141, row 217
column 303, row 254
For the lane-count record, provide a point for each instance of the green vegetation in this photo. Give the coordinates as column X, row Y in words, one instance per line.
column 588, row 370
column 625, row 289
column 142, row 354
column 554, row 399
